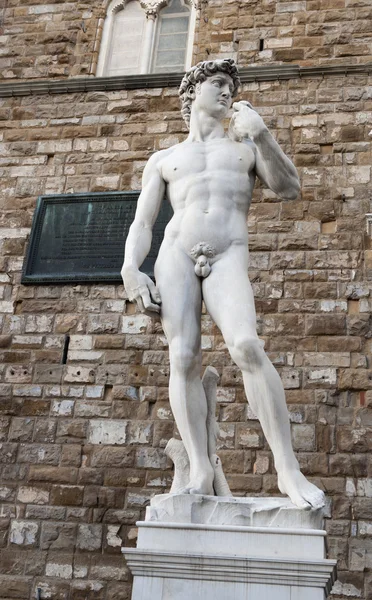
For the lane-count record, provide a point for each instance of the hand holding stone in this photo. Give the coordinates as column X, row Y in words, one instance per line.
column 246, row 122
column 141, row 288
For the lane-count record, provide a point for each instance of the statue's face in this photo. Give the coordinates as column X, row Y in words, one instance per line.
column 214, row 95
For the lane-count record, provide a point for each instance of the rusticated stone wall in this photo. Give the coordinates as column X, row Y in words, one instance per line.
column 61, row 39
column 82, row 442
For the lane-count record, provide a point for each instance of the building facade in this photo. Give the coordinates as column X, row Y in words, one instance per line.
column 88, row 93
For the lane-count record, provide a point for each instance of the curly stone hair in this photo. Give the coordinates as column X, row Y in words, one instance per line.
column 200, row 73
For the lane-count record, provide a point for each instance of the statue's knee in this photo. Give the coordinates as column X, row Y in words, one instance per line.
column 183, row 358
column 248, row 354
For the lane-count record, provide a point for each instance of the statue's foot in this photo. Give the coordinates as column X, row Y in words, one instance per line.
column 300, row 491
column 201, row 484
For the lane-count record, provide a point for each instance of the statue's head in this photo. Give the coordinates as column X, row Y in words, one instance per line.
column 198, row 74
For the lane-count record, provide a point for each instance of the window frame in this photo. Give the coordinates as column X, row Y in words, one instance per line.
column 157, row 37
column 151, row 9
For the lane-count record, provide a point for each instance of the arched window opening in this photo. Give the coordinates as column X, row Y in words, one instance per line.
column 172, row 38
column 135, row 41
column 128, row 27
column 127, row 36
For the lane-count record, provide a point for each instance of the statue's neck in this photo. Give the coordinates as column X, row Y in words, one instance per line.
column 203, row 127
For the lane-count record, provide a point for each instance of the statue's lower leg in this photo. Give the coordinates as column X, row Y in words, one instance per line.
column 176, row 450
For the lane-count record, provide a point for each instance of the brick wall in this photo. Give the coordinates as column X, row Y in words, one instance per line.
column 82, row 442
column 61, row 39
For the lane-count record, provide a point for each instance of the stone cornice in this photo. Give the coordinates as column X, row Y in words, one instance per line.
column 158, row 80
column 236, row 569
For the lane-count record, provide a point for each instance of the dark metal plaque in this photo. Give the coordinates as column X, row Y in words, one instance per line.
column 80, row 238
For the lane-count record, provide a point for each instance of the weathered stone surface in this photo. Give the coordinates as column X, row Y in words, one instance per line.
column 107, row 431
column 15, row 587
column 58, row 536
column 23, row 533
column 67, row 495
column 89, row 537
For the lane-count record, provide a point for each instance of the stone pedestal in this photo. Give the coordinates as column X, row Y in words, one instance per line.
column 215, row 548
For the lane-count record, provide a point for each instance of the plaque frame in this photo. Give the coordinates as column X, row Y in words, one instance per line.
column 31, row 275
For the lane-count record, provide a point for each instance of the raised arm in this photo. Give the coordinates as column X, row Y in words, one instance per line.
column 139, row 286
column 272, row 167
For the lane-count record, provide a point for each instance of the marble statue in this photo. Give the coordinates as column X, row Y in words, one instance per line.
column 209, row 179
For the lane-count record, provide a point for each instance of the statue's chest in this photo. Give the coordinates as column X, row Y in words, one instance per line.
column 208, row 159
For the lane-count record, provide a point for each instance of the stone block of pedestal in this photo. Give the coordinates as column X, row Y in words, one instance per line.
column 215, row 548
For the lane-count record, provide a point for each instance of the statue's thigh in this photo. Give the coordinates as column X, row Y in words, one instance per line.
column 180, row 291
column 229, row 299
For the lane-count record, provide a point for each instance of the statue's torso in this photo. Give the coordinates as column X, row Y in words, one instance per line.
column 209, row 185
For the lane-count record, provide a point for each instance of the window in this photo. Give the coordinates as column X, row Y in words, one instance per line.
column 153, row 36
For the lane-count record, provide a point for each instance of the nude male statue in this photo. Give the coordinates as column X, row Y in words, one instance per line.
column 209, row 179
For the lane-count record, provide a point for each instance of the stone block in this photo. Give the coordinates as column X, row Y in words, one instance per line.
column 84, row 355
column 107, row 431
column 45, row 513
column 21, row 429
column 89, row 537
column 109, row 568
column 15, row 586
column 32, row 495
column 62, row 408
column 81, row 342
column 291, row 378
column 226, row 438
column 360, row 554
column 39, row 453
column 94, row 391
column 139, row 432
column 58, row 474
column 7, row 494
column 303, row 437
column 362, row 508
column 8, row 453
column 23, row 533
column 113, row 457
column 248, row 437
column 60, row 567
column 18, row 374
column 58, row 590
column 135, row 324
column 39, row 323
column 67, row 495
column 233, row 412
column 325, row 324
column 73, row 429
column 163, row 432
column 355, row 379
column 108, row 323
column 118, row 591
column 92, row 408
column 320, row 377
column 58, row 536
column 79, row 588
column 48, row 373
column 45, row 430
column 151, row 458
column 79, row 374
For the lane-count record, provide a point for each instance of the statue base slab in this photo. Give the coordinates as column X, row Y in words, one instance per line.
column 222, row 548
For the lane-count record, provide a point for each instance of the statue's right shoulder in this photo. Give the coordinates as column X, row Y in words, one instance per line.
column 159, row 158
